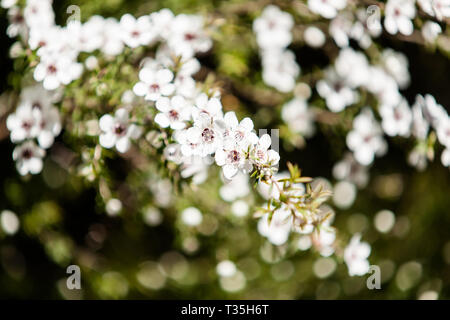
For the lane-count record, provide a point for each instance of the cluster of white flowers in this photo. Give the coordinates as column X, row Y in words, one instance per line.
column 58, row 47
column 273, row 35
column 200, row 128
column 35, row 118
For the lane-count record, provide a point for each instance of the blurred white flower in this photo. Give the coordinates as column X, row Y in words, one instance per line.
column 340, row 28
column 396, row 64
column 366, row 139
column 17, row 24
column 111, row 33
column 273, row 28
column 336, row 93
column 136, row 32
column 436, row 8
column 28, row 157
column 117, row 131
column 397, row 119
column 398, row 16
column 352, row 66
column 188, row 35
column 280, row 70
column 23, row 123
column 298, row 117
column 56, row 70
column 355, row 256
column 431, row 30
column 162, row 22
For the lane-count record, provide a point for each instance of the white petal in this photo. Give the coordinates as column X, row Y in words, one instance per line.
column 106, row 123
column 162, row 120
column 123, row 144
column 107, row 140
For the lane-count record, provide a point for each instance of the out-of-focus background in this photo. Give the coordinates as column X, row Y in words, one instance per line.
column 147, row 253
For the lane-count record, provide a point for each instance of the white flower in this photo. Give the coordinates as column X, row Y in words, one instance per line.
column 49, row 123
column 280, row 69
column 56, row 70
column 188, row 35
column 162, row 22
column 327, row 8
column 154, row 83
column 261, row 155
column 298, row 117
column 207, row 133
column 355, row 256
column 366, row 140
column 23, row 123
column 17, row 24
column 396, row 65
column 383, row 86
column 136, row 32
column 39, row 13
column 117, row 131
column 111, row 33
column 28, row 157
column 436, row 8
column 430, row 31
column 336, row 93
column 89, row 36
column 273, row 28
column 340, row 28
column 241, row 134
column 398, row 16
column 232, row 156
column 353, row 67
column 209, row 106
column 397, row 119
column 174, row 112
column 324, row 242
column 433, row 112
